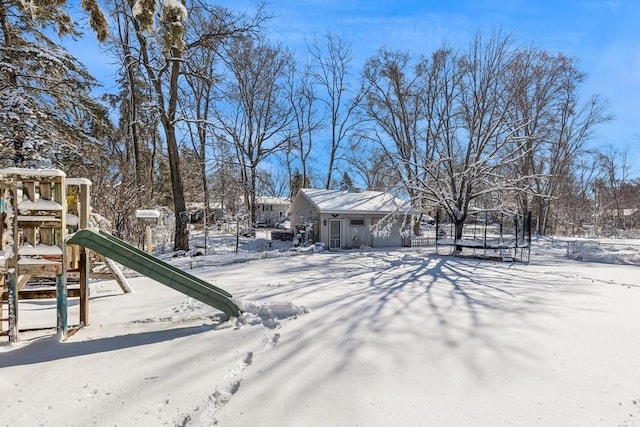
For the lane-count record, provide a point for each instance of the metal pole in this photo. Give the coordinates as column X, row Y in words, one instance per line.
column 486, row 221
column 84, row 287
column 437, row 227
column 237, row 233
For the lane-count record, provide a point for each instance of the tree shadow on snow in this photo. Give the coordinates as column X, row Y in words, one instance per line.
column 460, row 307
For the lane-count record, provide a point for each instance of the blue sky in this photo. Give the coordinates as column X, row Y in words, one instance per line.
column 604, row 35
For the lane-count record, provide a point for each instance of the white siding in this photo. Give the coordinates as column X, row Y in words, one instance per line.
column 352, row 234
column 271, row 214
column 357, row 235
column 302, row 210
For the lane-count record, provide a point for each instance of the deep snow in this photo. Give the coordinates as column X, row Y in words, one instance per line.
column 368, row 338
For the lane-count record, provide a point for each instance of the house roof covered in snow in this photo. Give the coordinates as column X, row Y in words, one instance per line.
column 339, row 201
column 269, row 200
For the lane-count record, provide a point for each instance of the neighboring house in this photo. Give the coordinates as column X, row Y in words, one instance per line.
column 271, row 211
column 342, row 219
column 195, row 213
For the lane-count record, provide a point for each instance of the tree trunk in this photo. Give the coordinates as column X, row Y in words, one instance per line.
column 541, row 215
column 252, row 194
column 168, row 120
column 327, row 185
column 459, row 226
column 133, row 126
column 181, row 237
column 205, row 189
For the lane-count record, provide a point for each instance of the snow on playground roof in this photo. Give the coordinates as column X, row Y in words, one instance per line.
column 78, row 181
column 338, row 201
column 31, row 172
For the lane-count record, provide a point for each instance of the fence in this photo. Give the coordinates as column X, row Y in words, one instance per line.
column 584, row 246
column 422, row 241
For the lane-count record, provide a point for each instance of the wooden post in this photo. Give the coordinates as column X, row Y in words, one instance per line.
column 84, row 260
column 84, row 289
column 13, row 275
column 3, row 279
column 149, row 239
column 61, row 296
column 13, row 307
column 118, row 276
column 29, row 193
column 149, row 217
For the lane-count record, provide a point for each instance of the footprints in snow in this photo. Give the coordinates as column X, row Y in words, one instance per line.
column 634, row 414
column 223, row 394
column 220, row 397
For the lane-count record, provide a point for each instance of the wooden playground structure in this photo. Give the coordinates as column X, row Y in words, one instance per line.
column 39, row 208
column 46, row 243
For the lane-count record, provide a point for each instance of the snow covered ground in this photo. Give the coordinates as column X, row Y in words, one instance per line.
column 354, row 338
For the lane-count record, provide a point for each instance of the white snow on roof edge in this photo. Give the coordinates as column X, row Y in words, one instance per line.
column 31, row 172
column 365, row 202
column 78, row 181
column 147, row 213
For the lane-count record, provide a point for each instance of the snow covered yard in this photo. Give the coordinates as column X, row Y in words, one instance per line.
column 402, row 337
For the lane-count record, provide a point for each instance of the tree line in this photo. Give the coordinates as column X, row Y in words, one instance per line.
column 207, row 110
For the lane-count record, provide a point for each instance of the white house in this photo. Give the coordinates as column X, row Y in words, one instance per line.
column 342, row 219
column 271, row 211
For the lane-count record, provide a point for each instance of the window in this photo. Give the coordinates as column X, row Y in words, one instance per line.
column 356, row 222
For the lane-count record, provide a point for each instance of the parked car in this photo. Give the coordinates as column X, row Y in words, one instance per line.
column 427, row 220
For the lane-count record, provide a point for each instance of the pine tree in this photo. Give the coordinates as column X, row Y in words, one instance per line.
column 298, row 182
column 346, row 184
column 46, row 111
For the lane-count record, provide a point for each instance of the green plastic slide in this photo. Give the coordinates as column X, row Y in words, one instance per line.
column 150, row 266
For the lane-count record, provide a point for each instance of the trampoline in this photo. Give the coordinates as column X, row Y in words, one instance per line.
column 490, row 233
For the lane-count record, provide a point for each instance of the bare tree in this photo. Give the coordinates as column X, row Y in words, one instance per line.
column 161, row 60
column 552, row 124
column 198, row 95
column 573, row 206
column 256, row 115
column 373, row 169
column 534, row 81
column 305, row 120
column 394, row 88
column 614, row 170
column 225, row 179
column 448, row 121
column 162, row 54
column 137, row 125
column 475, row 160
column 274, row 183
column 330, row 70
column 133, row 86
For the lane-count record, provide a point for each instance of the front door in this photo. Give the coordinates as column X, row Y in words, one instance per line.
column 334, row 234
